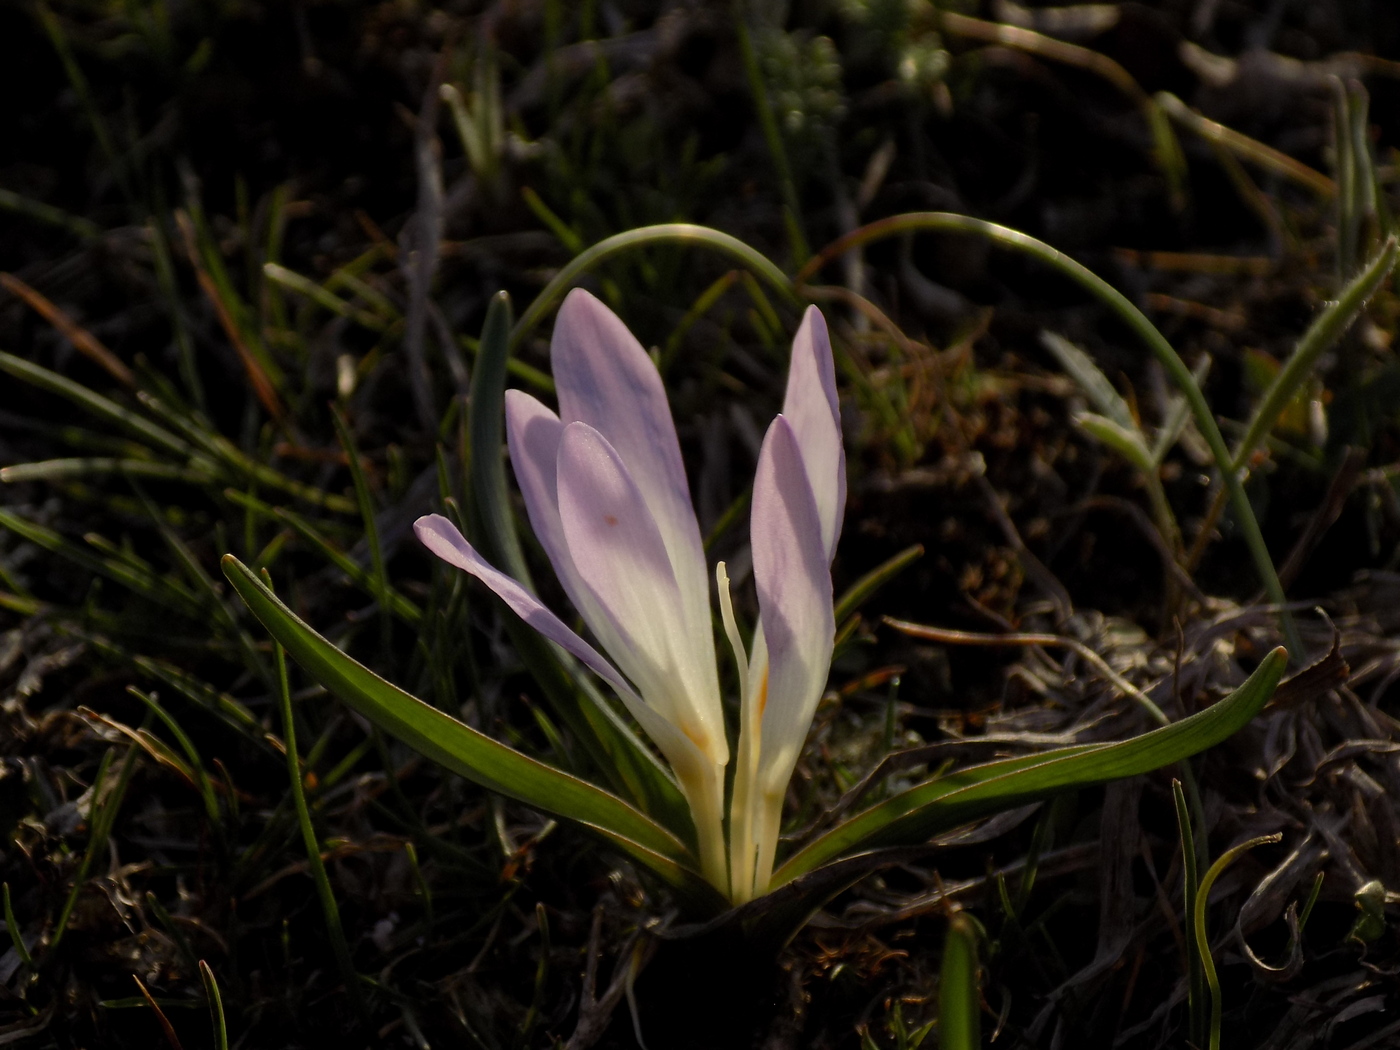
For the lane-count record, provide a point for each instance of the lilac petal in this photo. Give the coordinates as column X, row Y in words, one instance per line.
column 606, row 379
column 532, row 435
column 621, row 559
column 811, row 407
column 793, row 578
column 442, row 538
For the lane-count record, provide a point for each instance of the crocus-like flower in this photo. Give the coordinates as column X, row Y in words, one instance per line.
column 606, row 492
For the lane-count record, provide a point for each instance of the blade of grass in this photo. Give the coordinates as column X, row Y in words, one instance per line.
column 330, row 910
column 244, row 468
column 959, row 1002
column 328, row 300
column 1198, row 920
column 99, row 406
column 196, row 764
column 165, row 1026
column 1321, row 336
column 100, row 820
column 1195, row 975
column 96, row 466
column 1091, row 380
column 858, row 593
column 21, row 949
column 156, row 588
column 216, row 1006
column 772, row 136
column 83, row 341
column 74, row 224
column 379, row 579
column 1245, row 147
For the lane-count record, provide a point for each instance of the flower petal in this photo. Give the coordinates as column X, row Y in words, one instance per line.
column 793, row 578
column 532, row 435
column 621, row 559
column 442, row 538
column 811, row 407
column 606, row 379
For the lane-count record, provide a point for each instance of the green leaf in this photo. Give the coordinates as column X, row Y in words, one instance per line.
column 1091, row 380
column 922, row 811
column 617, row 752
column 1321, row 336
column 465, row 751
column 959, row 1003
column 1127, row 443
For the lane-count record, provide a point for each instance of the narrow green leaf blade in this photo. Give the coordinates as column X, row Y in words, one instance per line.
column 1091, row 380
column 959, row 1003
column 455, row 745
column 926, row 809
column 1321, row 336
column 1127, row 443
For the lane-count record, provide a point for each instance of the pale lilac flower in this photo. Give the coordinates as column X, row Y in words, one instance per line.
column 606, row 492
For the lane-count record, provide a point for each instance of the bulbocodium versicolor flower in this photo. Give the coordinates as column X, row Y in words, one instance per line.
column 606, row 493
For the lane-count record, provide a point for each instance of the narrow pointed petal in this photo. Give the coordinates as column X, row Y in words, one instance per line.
column 442, row 538
column 532, row 435
column 811, row 407
column 621, row 559
column 793, row 579
column 605, row 379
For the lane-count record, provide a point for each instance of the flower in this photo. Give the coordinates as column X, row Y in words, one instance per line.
column 606, row 493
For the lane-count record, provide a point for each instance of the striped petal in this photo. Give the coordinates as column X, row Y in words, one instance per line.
column 811, row 407
column 621, row 559
column 605, row 379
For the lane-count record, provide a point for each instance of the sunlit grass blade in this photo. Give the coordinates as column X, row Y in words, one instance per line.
column 1321, row 336
column 12, row 925
column 959, row 1002
column 330, row 910
column 1198, row 921
column 1127, row 442
column 864, row 588
column 1091, row 380
column 1195, row 976
column 914, row 815
column 319, row 295
column 1245, row 147
column 379, row 579
column 216, row 1006
column 462, row 749
column 241, row 466
column 97, row 466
